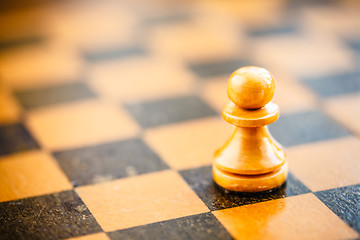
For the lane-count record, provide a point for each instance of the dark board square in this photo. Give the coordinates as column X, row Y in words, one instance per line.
column 201, row 226
column 111, row 54
column 334, row 85
column 354, row 44
column 294, row 187
column 344, row 202
column 15, row 138
column 171, row 110
column 217, row 68
column 54, row 216
column 284, row 28
column 298, row 4
column 6, row 44
column 55, row 94
column 216, row 198
column 108, row 161
column 305, row 127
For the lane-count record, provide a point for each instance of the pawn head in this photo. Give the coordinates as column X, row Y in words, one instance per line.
column 251, row 87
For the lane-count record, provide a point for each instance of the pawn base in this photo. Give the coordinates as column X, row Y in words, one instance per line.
column 250, row 183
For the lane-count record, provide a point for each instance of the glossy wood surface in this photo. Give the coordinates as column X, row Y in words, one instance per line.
column 250, row 183
column 241, row 117
column 255, row 152
column 251, row 87
column 251, row 160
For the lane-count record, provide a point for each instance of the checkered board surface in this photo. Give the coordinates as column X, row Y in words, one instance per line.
column 110, row 114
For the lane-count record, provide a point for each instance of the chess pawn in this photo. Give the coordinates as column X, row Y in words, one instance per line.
column 251, row 160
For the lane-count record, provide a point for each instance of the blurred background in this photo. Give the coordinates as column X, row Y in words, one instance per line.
column 47, row 43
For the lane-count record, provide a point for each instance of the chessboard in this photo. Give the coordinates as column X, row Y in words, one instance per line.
column 110, row 114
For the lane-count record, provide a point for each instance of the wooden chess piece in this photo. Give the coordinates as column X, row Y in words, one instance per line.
column 251, row 160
